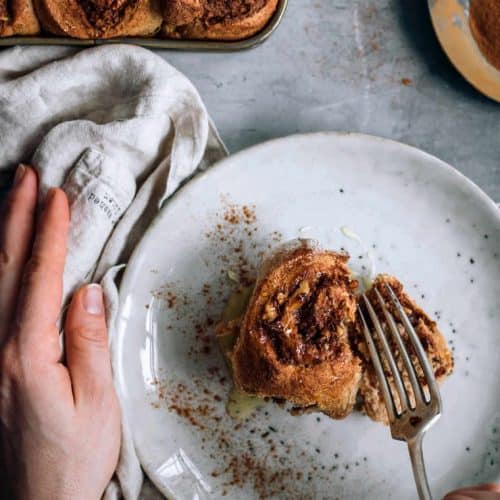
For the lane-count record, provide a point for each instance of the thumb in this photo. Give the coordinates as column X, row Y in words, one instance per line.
column 86, row 342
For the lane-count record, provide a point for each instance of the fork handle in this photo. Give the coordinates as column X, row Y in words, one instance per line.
column 417, row 463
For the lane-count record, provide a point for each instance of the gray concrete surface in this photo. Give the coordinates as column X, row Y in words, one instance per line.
column 372, row 66
column 340, row 65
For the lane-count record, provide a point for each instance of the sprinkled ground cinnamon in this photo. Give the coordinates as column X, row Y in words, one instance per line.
column 235, row 214
column 249, row 453
column 257, row 454
column 484, row 22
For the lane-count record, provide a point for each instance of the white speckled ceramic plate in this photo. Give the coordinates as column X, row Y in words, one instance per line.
column 422, row 220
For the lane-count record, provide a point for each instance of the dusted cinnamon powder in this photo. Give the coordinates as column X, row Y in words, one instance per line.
column 484, row 21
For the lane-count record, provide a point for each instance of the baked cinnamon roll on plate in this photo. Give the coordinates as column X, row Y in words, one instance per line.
column 288, row 335
column 293, row 343
column 298, row 338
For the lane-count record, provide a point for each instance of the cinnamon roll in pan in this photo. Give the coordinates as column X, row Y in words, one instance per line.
column 99, row 18
column 216, row 19
column 293, row 342
column 17, row 17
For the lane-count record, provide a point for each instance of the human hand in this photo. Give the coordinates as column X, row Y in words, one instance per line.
column 480, row 492
column 59, row 423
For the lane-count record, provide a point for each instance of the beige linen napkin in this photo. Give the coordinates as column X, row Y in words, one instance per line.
column 119, row 129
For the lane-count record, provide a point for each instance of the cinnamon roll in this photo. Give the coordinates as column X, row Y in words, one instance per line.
column 99, row 18
column 431, row 338
column 293, row 339
column 297, row 337
column 216, row 19
column 17, row 17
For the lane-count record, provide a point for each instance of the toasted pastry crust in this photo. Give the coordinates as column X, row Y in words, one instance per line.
column 216, row 19
column 293, row 342
column 88, row 19
column 17, row 17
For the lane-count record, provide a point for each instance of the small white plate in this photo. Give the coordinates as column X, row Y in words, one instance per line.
column 422, row 220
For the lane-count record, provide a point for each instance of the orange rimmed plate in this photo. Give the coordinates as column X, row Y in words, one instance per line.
column 451, row 23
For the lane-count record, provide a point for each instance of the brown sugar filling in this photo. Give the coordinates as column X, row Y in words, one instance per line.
column 218, row 11
column 105, row 14
column 484, row 22
column 305, row 325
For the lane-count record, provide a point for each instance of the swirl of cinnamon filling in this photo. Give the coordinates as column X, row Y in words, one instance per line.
column 105, row 14
column 216, row 19
column 293, row 342
column 100, row 18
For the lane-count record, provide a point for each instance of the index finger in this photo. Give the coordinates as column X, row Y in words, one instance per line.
column 41, row 291
column 17, row 224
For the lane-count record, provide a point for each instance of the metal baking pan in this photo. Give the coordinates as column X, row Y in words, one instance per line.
column 159, row 43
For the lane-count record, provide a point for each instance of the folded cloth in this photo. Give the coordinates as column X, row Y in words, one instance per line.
column 119, row 130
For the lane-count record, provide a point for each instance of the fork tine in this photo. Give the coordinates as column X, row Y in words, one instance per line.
column 377, row 364
column 398, row 381
column 417, row 389
column 422, row 357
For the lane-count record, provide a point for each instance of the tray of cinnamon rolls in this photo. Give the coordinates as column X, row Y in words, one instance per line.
column 178, row 24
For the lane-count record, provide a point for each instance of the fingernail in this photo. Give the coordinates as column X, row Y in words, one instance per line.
column 93, row 300
column 18, row 177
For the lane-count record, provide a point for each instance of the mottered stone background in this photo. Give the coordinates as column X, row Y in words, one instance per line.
column 372, row 66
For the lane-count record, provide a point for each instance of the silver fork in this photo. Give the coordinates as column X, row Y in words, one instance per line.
column 410, row 422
